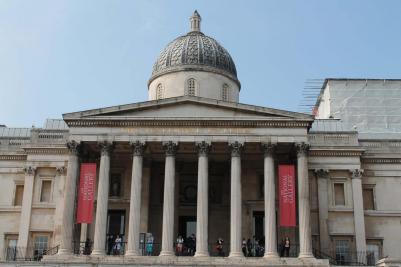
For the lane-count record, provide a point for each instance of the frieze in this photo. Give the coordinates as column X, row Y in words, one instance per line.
column 381, row 160
column 13, row 157
column 44, row 151
column 326, row 153
column 196, row 123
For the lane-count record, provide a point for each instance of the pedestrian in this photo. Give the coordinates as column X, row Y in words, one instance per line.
column 244, row 247
column 117, row 246
column 281, row 247
column 179, row 245
column 110, row 242
column 219, row 247
column 249, row 247
column 149, row 245
column 287, row 245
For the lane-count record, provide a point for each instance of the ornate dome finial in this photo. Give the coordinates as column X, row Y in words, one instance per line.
column 195, row 22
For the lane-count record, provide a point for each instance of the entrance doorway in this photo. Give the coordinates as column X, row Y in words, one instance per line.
column 187, row 226
column 259, row 225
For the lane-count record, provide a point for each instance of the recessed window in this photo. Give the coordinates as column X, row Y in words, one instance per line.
column 159, row 91
column 373, row 251
column 45, row 191
column 41, row 243
column 191, row 87
column 11, row 247
column 339, row 195
column 115, row 185
column 343, row 251
column 19, row 192
column 225, row 92
column 368, row 198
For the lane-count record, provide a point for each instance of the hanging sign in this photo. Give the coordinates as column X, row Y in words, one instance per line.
column 86, row 193
column 287, row 201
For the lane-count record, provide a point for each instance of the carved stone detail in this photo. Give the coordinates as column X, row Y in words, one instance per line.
column 29, row 170
column 356, row 174
column 61, row 170
column 236, row 148
column 138, row 147
column 74, row 147
column 322, row 173
column 105, row 147
column 302, row 149
column 170, row 148
column 269, row 149
column 203, row 148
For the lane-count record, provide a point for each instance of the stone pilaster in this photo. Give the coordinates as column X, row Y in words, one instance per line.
column 69, row 199
column 168, row 202
column 270, row 201
column 202, row 211
column 322, row 191
column 26, row 209
column 305, row 234
column 135, row 199
column 59, row 200
column 359, row 217
column 99, row 243
column 236, row 200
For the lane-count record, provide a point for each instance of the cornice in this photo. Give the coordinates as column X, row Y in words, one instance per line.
column 46, row 150
column 177, row 122
column 381, row 160
column 13, row 157
column 335, row 153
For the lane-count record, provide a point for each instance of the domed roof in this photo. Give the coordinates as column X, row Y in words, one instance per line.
column 194, row 51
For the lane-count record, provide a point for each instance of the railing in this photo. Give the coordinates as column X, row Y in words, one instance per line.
column 27, row 253
column 348, row 258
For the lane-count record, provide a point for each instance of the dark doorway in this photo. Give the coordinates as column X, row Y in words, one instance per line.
column 116, row 223
column 259, row 218
column 186, row 225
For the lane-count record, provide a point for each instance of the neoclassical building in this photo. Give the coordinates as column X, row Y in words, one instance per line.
column 193, row 160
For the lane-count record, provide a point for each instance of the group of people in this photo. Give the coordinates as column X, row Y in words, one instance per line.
column 254, row 247
column 185, row 246
column 114, row 245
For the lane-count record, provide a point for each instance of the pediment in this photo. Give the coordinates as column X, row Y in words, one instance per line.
column 187, row 108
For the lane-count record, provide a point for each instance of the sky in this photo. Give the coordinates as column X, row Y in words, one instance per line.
column 62, row 56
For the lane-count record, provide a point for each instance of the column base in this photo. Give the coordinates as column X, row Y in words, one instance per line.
column 166, row 254
column 201, row 254
column 236, row 255
column 64, row 251
column 98, row 252
column 271, row 255
column 132, row 253
column 306, row 255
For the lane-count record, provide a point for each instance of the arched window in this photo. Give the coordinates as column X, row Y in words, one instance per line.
column 159, row 91
column 191, row 87
column 225, row 92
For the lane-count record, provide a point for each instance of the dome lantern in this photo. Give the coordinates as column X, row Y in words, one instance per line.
column 195, row 22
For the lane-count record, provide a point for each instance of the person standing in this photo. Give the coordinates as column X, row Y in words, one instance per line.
column 287, row 245
column 117, row 245
column 179, row 245
column 244, row 247
column 219, row 247
column 149, row 245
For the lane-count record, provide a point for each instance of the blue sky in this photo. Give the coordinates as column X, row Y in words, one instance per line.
column 64, row 56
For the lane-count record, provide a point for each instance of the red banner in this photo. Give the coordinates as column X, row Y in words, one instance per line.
column 86, row 193
column 287, row 200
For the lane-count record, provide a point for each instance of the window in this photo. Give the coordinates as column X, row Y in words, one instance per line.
column 373, row 251
column 368, row 198
column 115, row 185
column 19, row 192
column 40, row 245
column 11, row 247
column 339, row 196
column 45, row 192
column 224, row 92
column 159, row 91
column 343, row 251
column 191, row 87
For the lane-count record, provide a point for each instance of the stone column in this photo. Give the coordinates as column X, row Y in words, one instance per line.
column 305, row 234
column 69, row 199
column 135, row 200
column 202, row 210
column 359, row 217
column 26, row 209
column 236, row 201
column 270, row 202
column 59, row 200
column 168, row 201
column 99, row 242
column 322, row 191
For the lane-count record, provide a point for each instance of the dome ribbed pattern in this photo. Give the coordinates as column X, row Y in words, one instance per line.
column 194, row 51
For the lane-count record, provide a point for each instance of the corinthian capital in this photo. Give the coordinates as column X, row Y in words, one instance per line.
column 170, row 148
column 203, row 148
column 105, row 147
column 138, row 147
column 269, row 149
column 61, row 170
column 236, row 148
column 302, row 149
column 29, row 170
column 356, row 174
column 73, row 146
